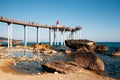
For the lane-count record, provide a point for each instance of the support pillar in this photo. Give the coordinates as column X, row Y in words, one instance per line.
column 72, row 35
column 69, row 35
column 50, row 36
column 75, row 35
column 64, row 37
column 25, row 36
column 57, row 36
column 37, row 35
column 54, row 37
column 9, row 35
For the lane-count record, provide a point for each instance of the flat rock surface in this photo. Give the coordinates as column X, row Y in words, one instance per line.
column 61, row 67
column 76, row 44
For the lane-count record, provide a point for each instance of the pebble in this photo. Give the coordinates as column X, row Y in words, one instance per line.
column 39, row 73
column 55, row 72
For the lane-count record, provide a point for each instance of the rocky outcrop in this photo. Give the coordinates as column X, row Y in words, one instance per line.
column 89, row 60
column 101, row 48
column 16, row 42
column 61, row 67
column 41, row 46
column 85, row 56
column 117, row 52
column 76, row 44
column 86, row 60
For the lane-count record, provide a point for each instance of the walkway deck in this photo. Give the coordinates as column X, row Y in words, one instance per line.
column 34, row 24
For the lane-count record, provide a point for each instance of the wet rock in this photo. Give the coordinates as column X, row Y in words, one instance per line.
column 60, row 67
column 117, row 52
column 101, row 48
column 89, row 60
column 68, row 52
column 76, row 44
column 49, row 52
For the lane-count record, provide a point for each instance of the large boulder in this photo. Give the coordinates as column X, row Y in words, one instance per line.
column 61, row 67
column 101, row 48
column 89, row 60
column 76, row 44
column 117, row 52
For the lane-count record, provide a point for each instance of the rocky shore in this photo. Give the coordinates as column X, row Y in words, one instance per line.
column 78, row 63
column 6, row 73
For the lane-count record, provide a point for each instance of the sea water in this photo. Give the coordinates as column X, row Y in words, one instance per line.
column 112, row 63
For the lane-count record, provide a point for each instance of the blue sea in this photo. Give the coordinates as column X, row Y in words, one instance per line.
column 112, row 63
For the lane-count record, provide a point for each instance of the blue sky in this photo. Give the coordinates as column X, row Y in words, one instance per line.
column 100, row 18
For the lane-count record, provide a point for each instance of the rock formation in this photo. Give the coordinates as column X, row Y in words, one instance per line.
column 85, row 56
column 76, row 44
column 117, row 52
column 89, row 60
column 60, row 67
column 101, row 48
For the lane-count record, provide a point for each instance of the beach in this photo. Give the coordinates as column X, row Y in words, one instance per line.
column 6, row 73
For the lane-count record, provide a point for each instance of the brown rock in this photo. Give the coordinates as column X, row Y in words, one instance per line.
column 40, row 46
column 69, row 52
column 117, row 52
column 76, row 44
column 89, row 60
column 61, row 67
column 16, row 42
column 49, row 51
column 101, row 48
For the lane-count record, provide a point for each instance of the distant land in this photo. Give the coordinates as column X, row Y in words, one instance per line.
column 4, row 39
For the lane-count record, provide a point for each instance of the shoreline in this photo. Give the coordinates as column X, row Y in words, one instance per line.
column 6, row 73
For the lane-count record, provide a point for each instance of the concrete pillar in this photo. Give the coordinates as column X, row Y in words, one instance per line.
column 75, row 35
column 78, row 35
column 57, row 36
column 72, row 35
column 37, row 35
column 50, row 36
column 9, row 35
column 25, row 36
column 54, row 36
column 64, row 37
column 69, row 35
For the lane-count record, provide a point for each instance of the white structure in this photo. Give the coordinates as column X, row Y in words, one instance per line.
column 9, row 35
column 25, row 36
column 56, row 34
